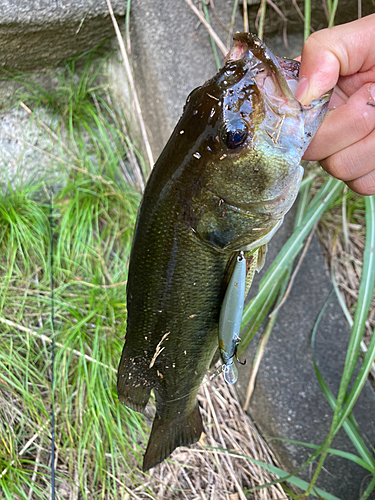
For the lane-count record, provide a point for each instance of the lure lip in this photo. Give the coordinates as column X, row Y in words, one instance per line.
column 230, row 373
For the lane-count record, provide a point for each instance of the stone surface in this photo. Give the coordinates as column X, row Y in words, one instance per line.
column 26, row 149
column 288, row 401
column 38, row 33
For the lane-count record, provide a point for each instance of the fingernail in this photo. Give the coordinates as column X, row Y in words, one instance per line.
column 372, row 91
column 302, row 90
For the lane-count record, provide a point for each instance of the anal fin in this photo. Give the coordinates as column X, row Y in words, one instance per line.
column 167, row 436
column 136, row 398
column 133, row 384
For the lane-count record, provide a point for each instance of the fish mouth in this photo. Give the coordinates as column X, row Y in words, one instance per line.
column 276, row 78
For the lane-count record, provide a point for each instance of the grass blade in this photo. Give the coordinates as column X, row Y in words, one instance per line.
column 350, row 426
column 365, row 294
column 370, row 488
column 332, row 451
column 296, row 481
column 327, row 194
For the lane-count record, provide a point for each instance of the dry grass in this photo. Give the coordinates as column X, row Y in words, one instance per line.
column 343, row 252
column 199, row 473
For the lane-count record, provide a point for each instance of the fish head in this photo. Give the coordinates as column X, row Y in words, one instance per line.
column 258, row 132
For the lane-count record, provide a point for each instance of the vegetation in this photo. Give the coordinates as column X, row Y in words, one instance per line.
column 64, row 249
column 86, row 227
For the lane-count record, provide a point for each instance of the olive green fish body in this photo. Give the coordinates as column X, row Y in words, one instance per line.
column 173, row 336
column 175, row 288
column 224, row 181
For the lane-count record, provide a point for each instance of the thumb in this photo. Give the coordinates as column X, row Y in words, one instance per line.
column 334, row 52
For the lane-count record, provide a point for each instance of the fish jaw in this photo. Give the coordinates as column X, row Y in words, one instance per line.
column 277, row 81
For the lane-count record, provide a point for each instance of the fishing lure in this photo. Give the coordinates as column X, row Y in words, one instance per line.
column 230, row 319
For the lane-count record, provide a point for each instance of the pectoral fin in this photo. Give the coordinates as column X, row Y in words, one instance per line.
column 262, row 251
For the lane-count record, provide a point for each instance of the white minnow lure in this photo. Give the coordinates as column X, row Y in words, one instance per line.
column 230, row 319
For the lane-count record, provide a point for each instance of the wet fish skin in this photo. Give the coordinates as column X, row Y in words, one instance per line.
column 204, row 202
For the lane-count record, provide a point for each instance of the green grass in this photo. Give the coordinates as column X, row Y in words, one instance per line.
column 86, row 221
column 87, row 224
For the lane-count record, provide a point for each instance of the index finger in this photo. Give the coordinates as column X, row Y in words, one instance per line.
column 339, row 51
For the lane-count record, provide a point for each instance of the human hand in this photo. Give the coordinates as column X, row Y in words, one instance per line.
column 343, row 57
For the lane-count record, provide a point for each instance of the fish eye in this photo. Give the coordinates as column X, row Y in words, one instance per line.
column 234, row 133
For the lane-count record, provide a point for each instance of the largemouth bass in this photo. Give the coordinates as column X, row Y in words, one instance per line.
column 223, row 183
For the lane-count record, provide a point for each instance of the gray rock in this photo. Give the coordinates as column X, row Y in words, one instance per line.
column 35, row 34
column 38, row 33
column 26, row 149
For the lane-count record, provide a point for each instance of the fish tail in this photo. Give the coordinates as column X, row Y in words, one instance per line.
column 167, row 436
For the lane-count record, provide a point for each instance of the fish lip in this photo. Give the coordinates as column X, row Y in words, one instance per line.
column 248, row 46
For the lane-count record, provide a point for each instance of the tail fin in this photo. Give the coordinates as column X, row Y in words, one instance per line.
column 167, row 436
